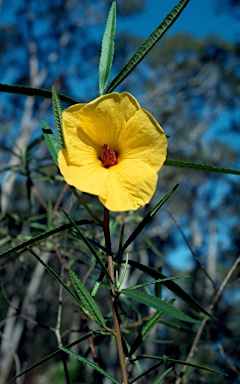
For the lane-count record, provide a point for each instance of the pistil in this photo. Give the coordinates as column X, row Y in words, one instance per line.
column 108, row 157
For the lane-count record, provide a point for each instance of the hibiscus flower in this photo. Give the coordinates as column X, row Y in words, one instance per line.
column 114, row 149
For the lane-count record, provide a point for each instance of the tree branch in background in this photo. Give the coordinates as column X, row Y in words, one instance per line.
column 205, row 320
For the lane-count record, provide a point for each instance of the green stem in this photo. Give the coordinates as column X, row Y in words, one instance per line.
column 117, row 331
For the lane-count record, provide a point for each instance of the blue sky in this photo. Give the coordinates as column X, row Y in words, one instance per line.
column 200, row 18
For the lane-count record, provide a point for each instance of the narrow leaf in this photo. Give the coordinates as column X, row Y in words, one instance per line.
column 162, row 376
column 49, row 357
column 96, row 287
column 170, row 285
column 88, row 209
column 156, row 281
column 53, row 273
column 159, row 304
column 37, row 92
column 43, row 236
column 201, row 167
column 92, row 365
column 57, row 112
column 88, row 244
column 52, row 142
column 121, row 236
column 179, row 327
column 145, row 373
column 119, row 283
column 165, row 359
column 34, row 143
column 96, row 243
column 146, row 329
column 150, row 324
column 107, row 49
column 87, row 303
column 145, row 221
column 148, row 44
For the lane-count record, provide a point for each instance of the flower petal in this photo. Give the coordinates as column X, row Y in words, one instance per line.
column 82, row 148
column 90, row 178
column 117, row 121
column 142, row 138
column 104, row 118
column 130, row 185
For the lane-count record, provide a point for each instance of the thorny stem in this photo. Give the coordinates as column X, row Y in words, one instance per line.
column 117, row 332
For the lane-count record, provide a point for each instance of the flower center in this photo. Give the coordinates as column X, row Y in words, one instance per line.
column 108, row 156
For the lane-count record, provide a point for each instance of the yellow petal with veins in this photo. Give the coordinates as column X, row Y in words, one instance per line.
column 118, row 121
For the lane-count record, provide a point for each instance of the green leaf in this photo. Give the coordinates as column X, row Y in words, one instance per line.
column 179, row 327
column 156, row 281
column 57, row 112
column 42, row 236
column 165, row 359
column 119, row 282
column 92, row 365
column 87, row 303
column 145, row 373
column 52, row 142
column 201, row 167
column 107, row 49
column 53, row 273
column 96, row 243
column 88, row 209
column 96, row 287
column 148, row 44
column 33, row 144
column 88, row 244
column 146, row 329
column 50, row 215
column 162, row 376
column 150, row 324
column 121, row 236
column 157, row 303
column 49, row 357
column 170, row 285
column 145, row 221
column 5, row 240
column 37, row 92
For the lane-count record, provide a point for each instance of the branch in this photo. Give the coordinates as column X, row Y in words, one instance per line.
column 201, row 328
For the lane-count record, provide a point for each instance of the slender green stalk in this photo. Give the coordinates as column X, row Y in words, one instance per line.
column 79, row 197
column 117, row 331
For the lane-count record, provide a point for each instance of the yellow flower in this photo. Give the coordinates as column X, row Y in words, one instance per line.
column 114, row 149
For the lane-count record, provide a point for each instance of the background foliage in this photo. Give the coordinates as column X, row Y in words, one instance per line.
column 191, row 86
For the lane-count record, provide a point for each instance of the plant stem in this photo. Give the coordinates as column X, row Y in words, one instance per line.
column 117, row 331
